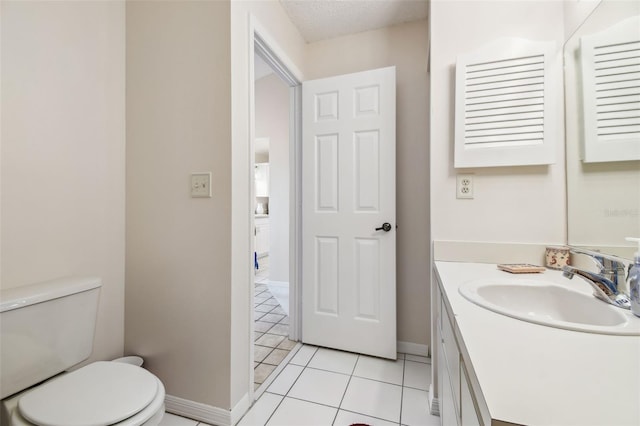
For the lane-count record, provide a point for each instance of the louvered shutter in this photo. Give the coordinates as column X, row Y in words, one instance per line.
column 505, row 106
column 611, row 93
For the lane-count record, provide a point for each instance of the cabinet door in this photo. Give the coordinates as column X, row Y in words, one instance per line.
column 469, row 416
column 262, row 237
column 451, row 355
column 448, row 415
column 262, row 179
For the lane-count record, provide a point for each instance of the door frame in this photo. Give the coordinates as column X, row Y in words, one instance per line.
column 262, row 44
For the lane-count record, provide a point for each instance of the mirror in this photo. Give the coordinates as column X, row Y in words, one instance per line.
column 603, row 198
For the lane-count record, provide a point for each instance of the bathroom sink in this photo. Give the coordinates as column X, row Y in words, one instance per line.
column 546, row 303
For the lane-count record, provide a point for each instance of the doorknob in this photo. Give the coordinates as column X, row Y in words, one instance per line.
column 386, row 227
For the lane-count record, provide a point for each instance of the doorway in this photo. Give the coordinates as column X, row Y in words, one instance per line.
column 273, row 162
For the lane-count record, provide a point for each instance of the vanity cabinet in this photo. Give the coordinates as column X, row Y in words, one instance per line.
column 262, row 236
column 457, row 402
column 486, row 371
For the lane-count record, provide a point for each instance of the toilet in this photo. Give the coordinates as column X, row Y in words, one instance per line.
column 46, row 329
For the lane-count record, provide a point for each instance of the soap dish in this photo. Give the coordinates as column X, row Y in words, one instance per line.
column 521, row 268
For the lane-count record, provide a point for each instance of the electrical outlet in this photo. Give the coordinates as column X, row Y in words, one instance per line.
column 201, row 185
column 464, row 186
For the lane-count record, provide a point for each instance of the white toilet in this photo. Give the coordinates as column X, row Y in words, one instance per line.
column 47, row 328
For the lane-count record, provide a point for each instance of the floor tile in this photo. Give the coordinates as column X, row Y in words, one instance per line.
column 287, row 377
column 281, row 329
column 256, row 335
column 415, row 409
column 347, row 418
column 417, row 375
column 322, row 387
column 287, row 344
column 278, row 310
column 332, row 360
column 275, row 318
column 304, row 354
column 270, row 340
column 293, row 412
column 172, row 420
column 380, row 369
column 284, row 320
column 271, row 301
column 262, row 326
column 261, row 410
column 261, row 372
column 263, row 308
column 260, row 352
column 261, row 297
column 418, row 358
column 373, row 398
column 276, row 357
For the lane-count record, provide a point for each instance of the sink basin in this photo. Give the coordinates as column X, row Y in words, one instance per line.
column 546, row 303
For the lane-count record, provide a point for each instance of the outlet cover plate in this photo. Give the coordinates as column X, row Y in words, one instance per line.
column 464, row 186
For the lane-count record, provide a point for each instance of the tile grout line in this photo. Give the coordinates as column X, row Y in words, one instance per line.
column 292, row 385
column 345, row 389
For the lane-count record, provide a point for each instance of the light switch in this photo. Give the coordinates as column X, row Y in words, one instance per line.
column 201, row 185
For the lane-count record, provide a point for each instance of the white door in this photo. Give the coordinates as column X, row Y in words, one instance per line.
column 348, row 183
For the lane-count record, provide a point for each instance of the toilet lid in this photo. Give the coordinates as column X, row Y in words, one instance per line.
column 98, row 394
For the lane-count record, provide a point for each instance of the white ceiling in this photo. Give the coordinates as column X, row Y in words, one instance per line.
column 323, row 19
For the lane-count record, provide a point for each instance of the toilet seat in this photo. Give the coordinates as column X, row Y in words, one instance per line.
column 99, row 394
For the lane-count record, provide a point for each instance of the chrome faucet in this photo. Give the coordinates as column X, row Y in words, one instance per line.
column 605, row 283
column 611, row 267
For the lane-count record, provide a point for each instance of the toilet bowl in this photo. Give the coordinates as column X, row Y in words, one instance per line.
column 102, row 393
column 47, row 330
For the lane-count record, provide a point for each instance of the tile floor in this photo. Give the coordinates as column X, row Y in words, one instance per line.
column 172, row 420
column 271, row 328
column 322, row 386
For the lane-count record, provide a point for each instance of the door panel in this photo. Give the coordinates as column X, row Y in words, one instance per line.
column 348, row 162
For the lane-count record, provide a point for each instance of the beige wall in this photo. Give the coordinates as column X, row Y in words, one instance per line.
column 272, row 121
column 178, row 249
column 405, row 47
column 511, row 204
column 63, row 151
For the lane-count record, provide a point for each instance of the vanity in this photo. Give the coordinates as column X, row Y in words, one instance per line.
column 492, row 369
column 262, row 235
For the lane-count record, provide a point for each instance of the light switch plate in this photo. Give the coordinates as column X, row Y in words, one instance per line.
column 201, row 185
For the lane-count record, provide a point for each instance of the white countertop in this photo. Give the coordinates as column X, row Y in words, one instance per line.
column 537, row 375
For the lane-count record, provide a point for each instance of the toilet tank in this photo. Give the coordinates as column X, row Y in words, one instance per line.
column 46, row 328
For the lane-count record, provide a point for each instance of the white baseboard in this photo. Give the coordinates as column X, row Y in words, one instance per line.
column 203, row 412
column 240, row 409
column 434, row 403
column 413, row 348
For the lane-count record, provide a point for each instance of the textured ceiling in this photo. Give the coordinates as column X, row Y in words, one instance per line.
column 322, row 19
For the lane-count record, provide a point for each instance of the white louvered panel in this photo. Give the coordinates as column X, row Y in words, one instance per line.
column 489, row 79
column 501, row 91
column 611, row 93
